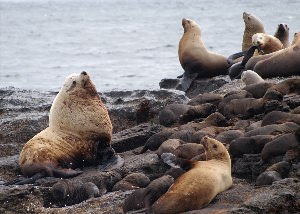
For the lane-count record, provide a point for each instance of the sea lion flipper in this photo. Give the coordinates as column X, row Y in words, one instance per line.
column 115, row 162
column 176, row 162
column 248, row 55
column 232, row 57
column 23, row 180
column 186, row 81
column 66, row 173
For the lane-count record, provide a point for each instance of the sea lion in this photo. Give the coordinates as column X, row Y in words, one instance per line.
column 258, row 90
column 244, row 108
column 69, row 192
column 213, row 176
column 132, row 181
column 169, row 146
column 252, row 25
column 184, row 135
column 195, row 59
column 79, row 133
column 156, row 140
column 196, row 112
column 250, row 77
column 171, row 113
column 282, row 63
column 282, row 33
column 266, row 43
column 145, row 197
column 249, row 145
column 212, row 98
column 273, row 173
column 273, row 129
column 227, row 137
column 188, row 150
column 280, row 145
column 215, row 119
column 276, row 117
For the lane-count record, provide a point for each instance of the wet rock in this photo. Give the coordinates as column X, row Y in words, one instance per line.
column 169, row 83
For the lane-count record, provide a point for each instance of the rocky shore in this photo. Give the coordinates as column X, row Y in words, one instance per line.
column 135, row 116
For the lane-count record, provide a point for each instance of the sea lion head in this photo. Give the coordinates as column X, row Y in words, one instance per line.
column 189, row 24
column 214, row 149
column 251, row 20
column 282, row 28
column 79, row 85
column 258, row 40
column 296, row 40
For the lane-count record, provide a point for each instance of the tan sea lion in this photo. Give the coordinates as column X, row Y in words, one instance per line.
column 252, row 25
column 250, row 77
column 197, row 187
column 194, row 57
column 281, row 63
column 266, row 43
column 79, row 131
column 282, row 33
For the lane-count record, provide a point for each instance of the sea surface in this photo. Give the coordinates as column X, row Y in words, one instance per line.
column 123, row 44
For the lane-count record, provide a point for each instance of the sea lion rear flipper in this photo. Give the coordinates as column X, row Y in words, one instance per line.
column 186, row 81
column 23, row 180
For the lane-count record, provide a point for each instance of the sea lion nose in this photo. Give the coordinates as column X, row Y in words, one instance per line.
column 84, row 73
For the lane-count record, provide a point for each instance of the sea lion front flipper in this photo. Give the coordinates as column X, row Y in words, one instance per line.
column 186, row 81
column 114, row 163
column 232, row 57
column 248, row 55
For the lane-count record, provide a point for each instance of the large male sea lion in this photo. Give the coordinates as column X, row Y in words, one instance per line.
column 197, row 187
column 79, row 133
column 195, row 59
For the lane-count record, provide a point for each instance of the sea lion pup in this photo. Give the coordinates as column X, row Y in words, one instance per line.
column 145, row 197
column 282, row 63
column 250, row 77
column 197, row 112
column 258, row 90
column 273, row 173
column 79, row 133
column 282, row 33
column 195, row 59
column 276, row 117
column 132, row 181
column 212, row 98
column 197, row 187
column 266, row 43
column 253, row 25
column 273, row 129
column 171, row 113
column 280, row 145
column 249, row 145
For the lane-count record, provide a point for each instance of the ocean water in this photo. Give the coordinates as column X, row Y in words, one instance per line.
column 123, row 44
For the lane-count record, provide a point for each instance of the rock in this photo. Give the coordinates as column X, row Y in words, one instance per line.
column 169, row 83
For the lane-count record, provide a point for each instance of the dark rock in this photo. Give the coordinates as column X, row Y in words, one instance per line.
column 134, row 137
column 169, row 83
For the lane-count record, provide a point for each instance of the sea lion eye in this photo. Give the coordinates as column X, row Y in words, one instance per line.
column 215, row 146
column 249, row 18
column 74, row 82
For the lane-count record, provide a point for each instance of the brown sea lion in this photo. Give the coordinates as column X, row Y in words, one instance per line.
column 258, row 90
column 277, row 117
column 188, row 150
column 252, row 25
column 273, row 129
column 171, row 113
column 282, row 33
column 194, row 57
column 79, row 133
column 249, row 145
column 132, row 181
column 145, row 197
column 212, row 98
column 273, row 173
column 215, row 119
column 227, row 136
column 282, row 63
column 281, row 145
column 266, row 43
column 213, row 176
column 196, row 112
column 169, row 146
